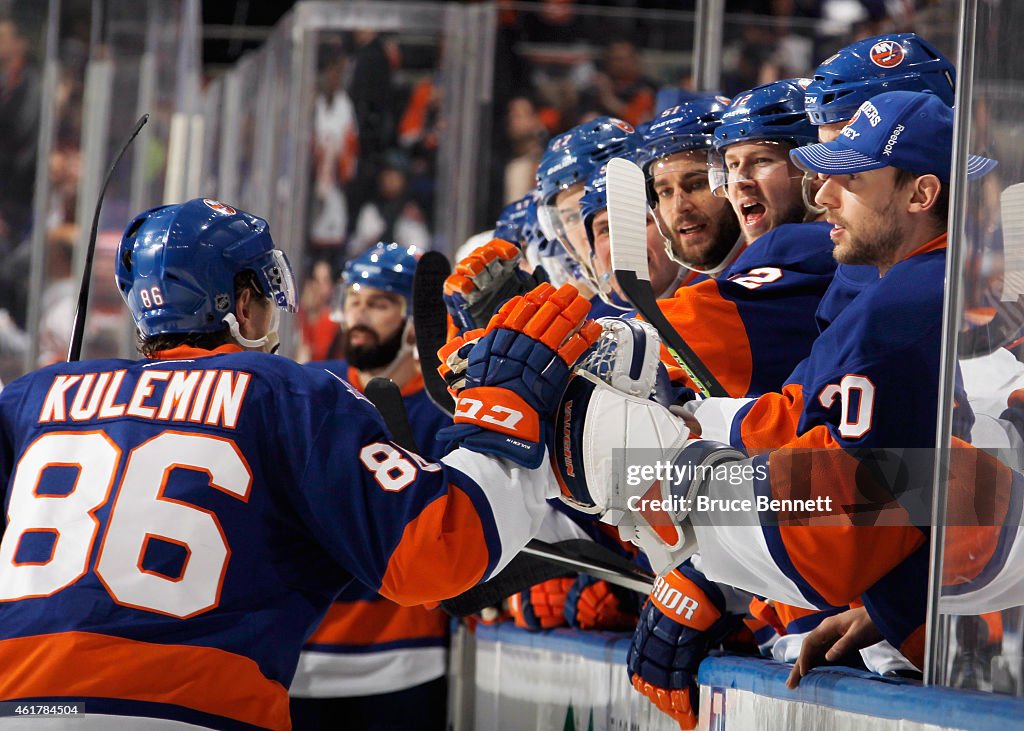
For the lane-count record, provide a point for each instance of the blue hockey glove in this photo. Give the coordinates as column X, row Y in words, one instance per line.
column 517, row 372
column 685, row 616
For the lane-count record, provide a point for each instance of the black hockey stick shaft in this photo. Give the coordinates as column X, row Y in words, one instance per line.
column 539, row 562
column 387, row 397
column 640, row 294
column 78, row 329
column 430, row 318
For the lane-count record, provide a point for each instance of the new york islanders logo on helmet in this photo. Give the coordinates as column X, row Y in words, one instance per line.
column 887, row 54
column 220, row 207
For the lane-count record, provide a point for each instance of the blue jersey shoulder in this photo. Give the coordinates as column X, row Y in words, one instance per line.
column 847, row 283
column 799, row 247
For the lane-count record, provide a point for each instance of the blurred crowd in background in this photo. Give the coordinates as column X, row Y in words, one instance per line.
column 378, row 123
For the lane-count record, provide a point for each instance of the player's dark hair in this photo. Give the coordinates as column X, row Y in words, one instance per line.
column 244, row 280
column 940, row 209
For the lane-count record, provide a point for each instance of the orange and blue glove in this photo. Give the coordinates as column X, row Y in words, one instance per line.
column 483, row 281
column 516, row 372
column 685, row 616
column 595, row 604
column 542, row 606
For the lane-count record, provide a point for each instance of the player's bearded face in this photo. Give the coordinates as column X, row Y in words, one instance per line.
column 701, row 227
column 374, row 327
column 865, row 215
column 365, row 351
column 764, row 187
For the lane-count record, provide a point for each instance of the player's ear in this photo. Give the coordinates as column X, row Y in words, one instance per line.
column 248, row 307
column 924, row 192
column 243, row 306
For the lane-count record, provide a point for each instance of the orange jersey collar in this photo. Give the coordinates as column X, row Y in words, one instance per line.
column 939, row 242
column 413, row 386
column 187, row 352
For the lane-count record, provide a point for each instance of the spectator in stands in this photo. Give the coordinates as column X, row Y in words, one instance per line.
column 60, row 296
column 335, row 158
column 419, row 134
column 372, row 91
column 315, row 317
column 619, row 88
column 526, row 135
column 19, row 127
column 392, row 214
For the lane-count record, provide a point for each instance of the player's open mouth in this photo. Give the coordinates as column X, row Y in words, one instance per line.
column 752, row 213
column 690, row 230
column 837, row 229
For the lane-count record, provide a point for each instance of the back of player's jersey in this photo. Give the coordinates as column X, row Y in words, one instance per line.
column 142, row 534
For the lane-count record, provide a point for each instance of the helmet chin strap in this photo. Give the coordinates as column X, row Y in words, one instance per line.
column 270, row 340
column 813, row 209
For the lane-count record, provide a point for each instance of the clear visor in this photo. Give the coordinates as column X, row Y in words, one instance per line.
column 562, row 223
column 726, row 172
column 279, row 280
column 561, row 220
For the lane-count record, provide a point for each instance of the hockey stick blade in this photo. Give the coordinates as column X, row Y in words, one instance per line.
column 430, row 318
column 591, row 558
column 539, row 562
column 627, row 221
column 78, row 328
column 387, row 397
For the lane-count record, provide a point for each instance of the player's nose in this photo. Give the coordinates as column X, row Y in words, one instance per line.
column 826, row 195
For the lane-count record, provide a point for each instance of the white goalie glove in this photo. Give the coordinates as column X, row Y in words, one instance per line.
column 625, row 356
column 622, row 456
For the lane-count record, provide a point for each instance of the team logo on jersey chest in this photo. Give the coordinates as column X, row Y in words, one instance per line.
column 887, row 54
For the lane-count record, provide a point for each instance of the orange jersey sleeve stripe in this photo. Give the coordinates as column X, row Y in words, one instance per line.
column 376, row 622
column 772, row 419
column 443, row 552
column 979, row 489
column 84, row 665
column 788, row 613
column 712, row 327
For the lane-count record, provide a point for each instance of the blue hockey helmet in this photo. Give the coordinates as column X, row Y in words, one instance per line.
column 513, row 217
column 570, row 158
column 688, row 126
column 384, row 266
column 772, row 112
column 176, row 266
column 867, row 68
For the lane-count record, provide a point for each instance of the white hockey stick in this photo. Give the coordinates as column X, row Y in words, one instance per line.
column 627, row 220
